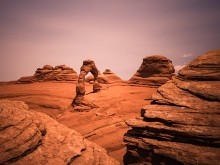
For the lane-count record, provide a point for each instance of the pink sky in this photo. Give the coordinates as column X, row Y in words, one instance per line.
column 116, row 34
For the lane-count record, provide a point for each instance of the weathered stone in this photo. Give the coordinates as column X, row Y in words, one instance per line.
column 79, row 100
column 154, row 71
column 28, row 137
column 112, row 77
column 102, row 79
column 204, row 67
column 182, row 124
column 48, row 73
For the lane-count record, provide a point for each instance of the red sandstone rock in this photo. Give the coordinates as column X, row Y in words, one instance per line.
column 28, row 137
column 79, row 102
column 112, row 77
column 154, row 71
column 48, row 73
column 182, row 125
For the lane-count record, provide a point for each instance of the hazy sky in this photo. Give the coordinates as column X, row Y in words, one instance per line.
column 116, row 34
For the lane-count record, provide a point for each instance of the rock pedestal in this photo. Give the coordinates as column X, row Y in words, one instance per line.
column 182, row 125
column 154, row 71
column 79, row 102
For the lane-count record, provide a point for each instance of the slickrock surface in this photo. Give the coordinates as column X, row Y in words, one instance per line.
column 182, row 125
column 154, row 71
column 104, row 126
column 112, row 77
column 48, row 73
column 28, row 137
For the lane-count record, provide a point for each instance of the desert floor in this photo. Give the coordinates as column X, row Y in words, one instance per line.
column 104, row 126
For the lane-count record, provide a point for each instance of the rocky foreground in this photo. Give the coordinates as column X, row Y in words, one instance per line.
column 182, row 125
column 28, row 137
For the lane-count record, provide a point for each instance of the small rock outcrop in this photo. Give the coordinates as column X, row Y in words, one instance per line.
column 182, row 125
column 28, row 137
column 154, row 71
column 79, row 102
column 49, row 73
column 112, row 77
column 102, row 79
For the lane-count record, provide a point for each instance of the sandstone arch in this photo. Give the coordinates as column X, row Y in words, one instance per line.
column 79, row 100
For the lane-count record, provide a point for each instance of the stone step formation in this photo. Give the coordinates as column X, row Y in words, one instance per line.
column 49, row 73
column 155, row 70
column 182, row 125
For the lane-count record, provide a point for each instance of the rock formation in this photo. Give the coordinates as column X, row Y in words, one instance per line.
column 182, row 125
column 102, row 79
column 28, row 137
column 154, row 71
column 79, row 102
column 112, row 77
column 48, row 73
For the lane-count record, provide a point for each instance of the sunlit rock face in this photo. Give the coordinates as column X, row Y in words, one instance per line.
column 182, row 125
column 28, row 137
column 154, row 71
column 49, row 73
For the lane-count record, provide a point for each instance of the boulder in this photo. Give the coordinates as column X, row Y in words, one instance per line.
column 154, row 71
column 48, row 73
column 28, row 137
column 182, row 124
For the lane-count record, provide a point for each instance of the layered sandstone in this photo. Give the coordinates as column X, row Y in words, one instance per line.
column 182, row 125
column 154, row 71
column 49, row 73
column 28, row 137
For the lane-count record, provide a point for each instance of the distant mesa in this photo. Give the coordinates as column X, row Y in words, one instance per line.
column 154, row 71
column 29, row 137
column 182, row 125
column 107, row 77
column 49, row 73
